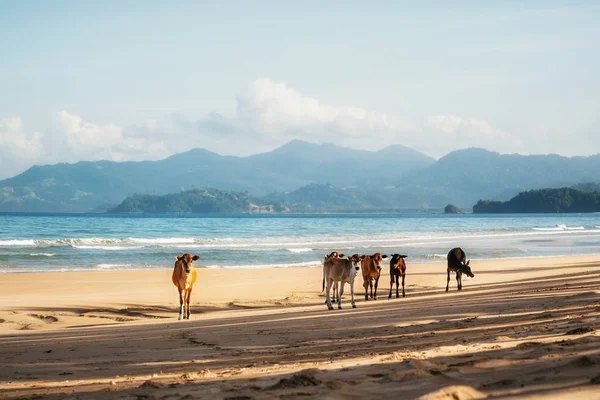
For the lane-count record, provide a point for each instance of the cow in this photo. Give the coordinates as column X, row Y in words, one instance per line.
column 184, row 277
column 397, row 270
column 334, row 254
column 457, row 262
column 343, row 270
column 371, row 270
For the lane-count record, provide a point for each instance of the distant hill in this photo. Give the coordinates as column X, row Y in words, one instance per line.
column 464, row 176
column 85, row 186
column 587, row 187
column 196, row 201
column 311, row 177
column 564, row 200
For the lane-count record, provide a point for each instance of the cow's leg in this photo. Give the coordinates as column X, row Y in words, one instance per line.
column 352, row 295
column 458, row 280
column 376, row 284
column 448, row 281
column 391, row 284
column 366, row 286
column 187, row 300
column 181, row 303
column 336, row 292
column 340, row 293
column 327, row 298
column 403, row 294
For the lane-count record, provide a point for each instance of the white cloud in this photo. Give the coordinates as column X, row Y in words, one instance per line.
column 18, row 149
column 280, row 113
column 450, row 132
column 268, row 114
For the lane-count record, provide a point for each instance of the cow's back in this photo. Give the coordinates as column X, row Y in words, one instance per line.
column 456, row 257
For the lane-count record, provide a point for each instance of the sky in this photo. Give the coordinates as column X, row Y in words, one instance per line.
column 143, row 80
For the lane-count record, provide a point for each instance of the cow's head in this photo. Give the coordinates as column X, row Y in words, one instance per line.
column 465, row 269
column 397, row 261
column 355, row 259
column 186, row 261
column 377, row 259
column 333, row 254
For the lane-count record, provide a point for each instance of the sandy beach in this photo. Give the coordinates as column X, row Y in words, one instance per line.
column 522, row 328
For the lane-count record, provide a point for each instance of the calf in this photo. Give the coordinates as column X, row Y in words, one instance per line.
column 371, row 270
column 184, row 277
column 457, row 262
column 333, row 254
column 397, row 270
column 343, row 270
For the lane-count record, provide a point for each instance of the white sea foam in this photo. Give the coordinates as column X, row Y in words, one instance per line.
column 109, row 248
column 300, row 250
column 162, row 240
column 281, row 265
column 17, row 243
column 113, row 266
column 42, row 254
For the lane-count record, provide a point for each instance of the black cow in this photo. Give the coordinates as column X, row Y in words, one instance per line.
column 457, row 262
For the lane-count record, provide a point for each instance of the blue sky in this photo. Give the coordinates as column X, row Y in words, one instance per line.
column 132, row 80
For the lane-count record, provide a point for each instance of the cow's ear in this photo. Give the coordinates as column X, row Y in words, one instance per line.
column 177, row 258
column 403, row 256
column 363, row 257
column 371, row 257
column 384, row 256
column 195, row 258
column 341, row 256
column 468, row 261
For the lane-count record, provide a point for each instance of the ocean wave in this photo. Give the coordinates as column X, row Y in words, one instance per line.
column 113, row 266
column 17, row 242
column 42, row 254
column 434, row 256
column 108, row 248
column 300, row 250
column 280, row 265
column 160, row 241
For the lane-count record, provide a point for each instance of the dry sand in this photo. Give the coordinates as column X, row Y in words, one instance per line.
column 524, row 328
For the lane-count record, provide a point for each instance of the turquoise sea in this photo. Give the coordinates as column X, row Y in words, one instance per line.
column 82, row 242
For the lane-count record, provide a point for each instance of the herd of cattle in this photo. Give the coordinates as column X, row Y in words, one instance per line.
column 337, row 271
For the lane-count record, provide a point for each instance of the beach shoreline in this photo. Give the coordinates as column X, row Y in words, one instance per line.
column 265, row 333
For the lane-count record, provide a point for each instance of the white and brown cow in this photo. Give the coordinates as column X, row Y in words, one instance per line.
column 371, row 270
column 342, row 270
column 184, row 277
column 333, row 254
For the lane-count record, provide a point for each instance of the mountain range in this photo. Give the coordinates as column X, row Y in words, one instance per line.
column 315, row 177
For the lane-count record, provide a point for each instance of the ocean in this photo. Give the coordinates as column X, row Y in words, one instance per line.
column 93, row 242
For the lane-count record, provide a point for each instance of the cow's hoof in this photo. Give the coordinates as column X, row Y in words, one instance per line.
column 330, row 307
column 374, row 298
column 339, row 307
column 403, row 295
column 353, row 305
column 389, row 297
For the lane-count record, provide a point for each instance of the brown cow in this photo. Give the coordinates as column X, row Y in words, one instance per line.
column 371, row 270
column 457, row 262
column 184, row 277
column 333, row 254
column 343, row 270
column 397, row 270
